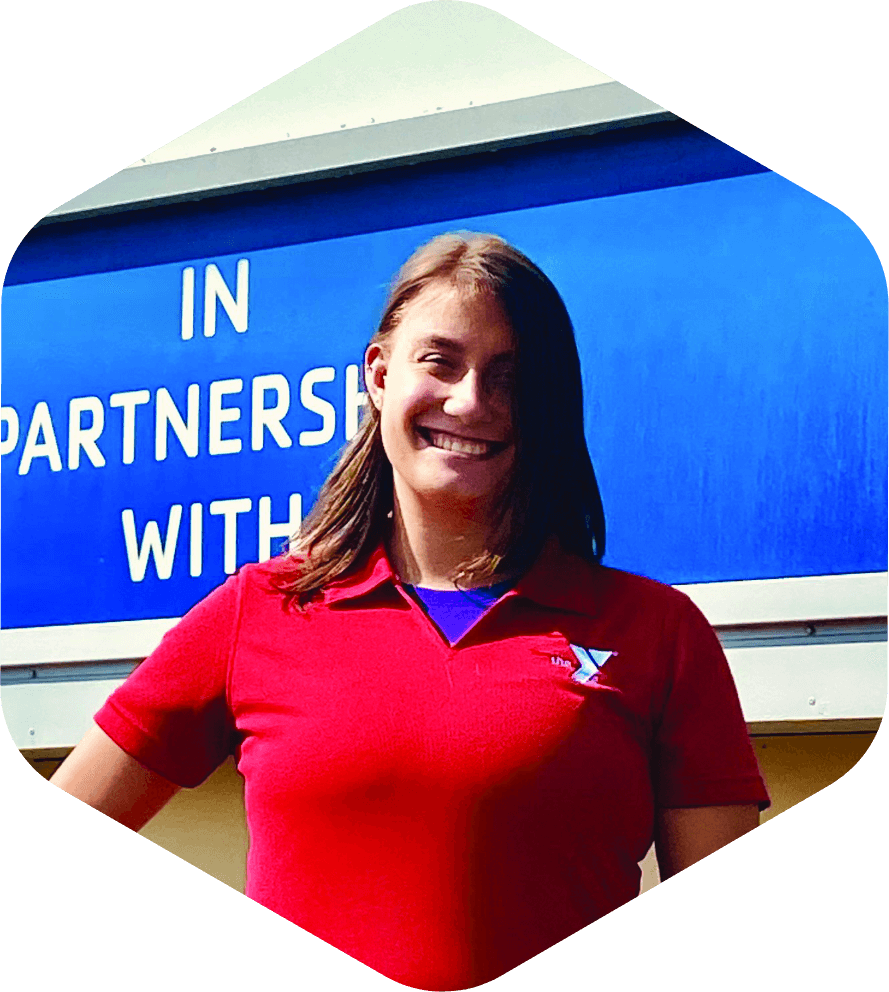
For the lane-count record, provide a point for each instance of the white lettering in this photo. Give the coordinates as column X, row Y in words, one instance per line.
column 85, row 437
column 229, row 510
column 216, row 289
column 269, row 418
column 138, row 552
column 188, row 303
column 128, row 401
column 167, row 414
column 268, row 530
column 196, row 538
column 10, row 419
column 315, row 404
column 355, row 400
column 41, row 425
column 219, row 415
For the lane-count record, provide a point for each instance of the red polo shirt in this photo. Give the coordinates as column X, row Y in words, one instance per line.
column 444, row 812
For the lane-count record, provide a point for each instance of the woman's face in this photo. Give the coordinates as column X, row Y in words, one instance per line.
column 443, row 383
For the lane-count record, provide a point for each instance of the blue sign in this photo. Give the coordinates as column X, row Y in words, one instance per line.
column 163, row 425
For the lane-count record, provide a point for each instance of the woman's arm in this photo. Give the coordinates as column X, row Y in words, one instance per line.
column 683, row 836
column 103, row 775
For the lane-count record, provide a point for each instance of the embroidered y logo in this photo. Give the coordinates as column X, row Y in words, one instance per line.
column 591, row 660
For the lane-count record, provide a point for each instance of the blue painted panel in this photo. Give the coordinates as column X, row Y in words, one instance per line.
column 733, row 339
column 583, row 167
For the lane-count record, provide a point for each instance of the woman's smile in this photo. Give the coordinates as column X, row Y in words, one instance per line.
column 459, row 444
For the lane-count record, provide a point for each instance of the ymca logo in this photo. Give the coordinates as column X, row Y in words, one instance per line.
column 590, row 661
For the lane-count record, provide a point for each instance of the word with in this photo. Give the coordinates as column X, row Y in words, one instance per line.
column 151, row 547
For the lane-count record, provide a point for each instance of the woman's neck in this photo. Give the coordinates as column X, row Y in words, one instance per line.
column 428, row 543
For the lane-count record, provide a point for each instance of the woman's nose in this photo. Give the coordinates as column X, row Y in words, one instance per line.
column 466, row 397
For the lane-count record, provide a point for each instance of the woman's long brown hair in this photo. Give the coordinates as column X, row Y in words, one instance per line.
column 553, row 488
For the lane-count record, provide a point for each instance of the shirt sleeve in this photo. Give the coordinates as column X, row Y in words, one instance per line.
column 172, row 713
column 702, row 751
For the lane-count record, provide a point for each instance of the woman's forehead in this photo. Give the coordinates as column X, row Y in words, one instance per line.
column 464, row 317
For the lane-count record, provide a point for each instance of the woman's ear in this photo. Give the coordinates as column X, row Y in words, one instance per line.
column 375, row 374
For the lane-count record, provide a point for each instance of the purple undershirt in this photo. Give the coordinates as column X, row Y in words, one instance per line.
column 454, row 611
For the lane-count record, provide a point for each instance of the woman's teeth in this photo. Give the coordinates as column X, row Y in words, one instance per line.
column 460, row 445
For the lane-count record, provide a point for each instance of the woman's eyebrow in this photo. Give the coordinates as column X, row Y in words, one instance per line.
column 449, row 344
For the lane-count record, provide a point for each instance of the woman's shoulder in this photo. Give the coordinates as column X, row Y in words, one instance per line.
column 642, row 603
column 272, row 577
column 642, row 593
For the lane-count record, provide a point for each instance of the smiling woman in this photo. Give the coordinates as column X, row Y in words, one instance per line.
column 476, row 405
column 446, row 414
column 459, row 732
